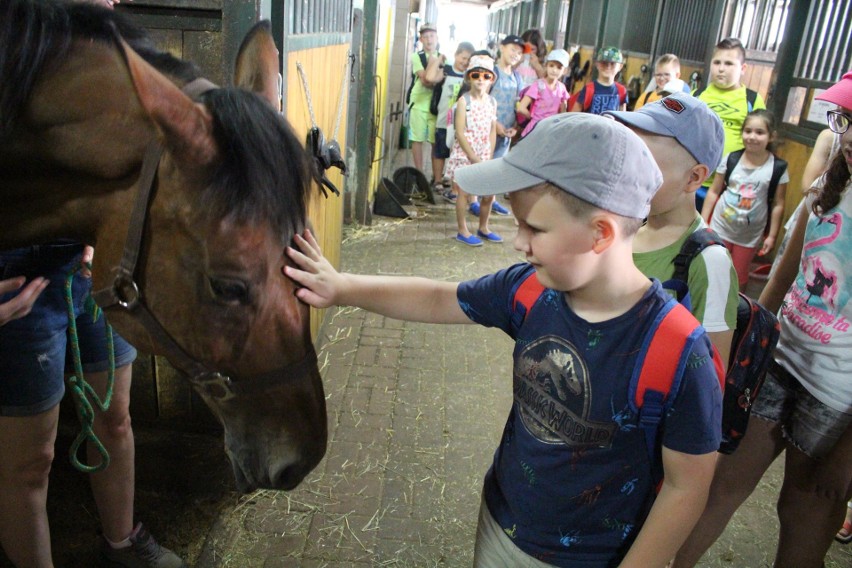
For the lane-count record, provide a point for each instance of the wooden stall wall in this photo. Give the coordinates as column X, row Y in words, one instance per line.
column 325, row 69
column 758, row 77
column 797, row 155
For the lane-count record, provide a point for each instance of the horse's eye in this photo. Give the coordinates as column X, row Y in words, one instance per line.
column 229, row 290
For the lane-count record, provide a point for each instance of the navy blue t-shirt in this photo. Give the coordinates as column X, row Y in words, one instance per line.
column 571, row 480
column 605, row 98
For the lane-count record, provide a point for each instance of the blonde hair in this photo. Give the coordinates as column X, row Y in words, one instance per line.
column 668, row 58
column 582, row 210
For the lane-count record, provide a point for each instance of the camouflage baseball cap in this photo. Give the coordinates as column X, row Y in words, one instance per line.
column 610, row 54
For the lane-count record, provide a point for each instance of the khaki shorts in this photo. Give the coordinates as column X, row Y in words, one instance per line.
column 421, row 125
column 494, row 548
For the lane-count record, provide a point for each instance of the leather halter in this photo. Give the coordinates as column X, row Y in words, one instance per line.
column 124, row 293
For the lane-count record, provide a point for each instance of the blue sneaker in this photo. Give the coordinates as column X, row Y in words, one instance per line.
column 470, row 241
column 474, row 208
column 449, row 196
column 490, row 237
column 498, row 209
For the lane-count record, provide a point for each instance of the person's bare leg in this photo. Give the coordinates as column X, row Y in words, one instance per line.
column 485, row 212
column 113, row 488
column 847, row 522
column 417, row 154
column 461, row 210
column 437, row 170
column 27, row 444
column 736, row 477
column 812, row 505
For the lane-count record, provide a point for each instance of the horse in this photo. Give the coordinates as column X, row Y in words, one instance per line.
column 98, row 141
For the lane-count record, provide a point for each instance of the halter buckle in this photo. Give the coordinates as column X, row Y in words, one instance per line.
column 126, row 291
column 215, row 384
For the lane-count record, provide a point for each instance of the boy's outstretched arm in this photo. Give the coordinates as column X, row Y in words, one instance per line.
column 678, row 507
column 398, row 297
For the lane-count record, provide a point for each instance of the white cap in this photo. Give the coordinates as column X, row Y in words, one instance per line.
column 481, row 62
column 560, row 56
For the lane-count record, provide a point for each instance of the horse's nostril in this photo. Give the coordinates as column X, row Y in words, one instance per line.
column 289, row 477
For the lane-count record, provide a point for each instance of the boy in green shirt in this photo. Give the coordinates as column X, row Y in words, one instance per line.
column 728, row 98
column 421, row 122
column 685, row 137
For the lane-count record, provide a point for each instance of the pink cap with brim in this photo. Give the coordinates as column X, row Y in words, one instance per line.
column 840, row 93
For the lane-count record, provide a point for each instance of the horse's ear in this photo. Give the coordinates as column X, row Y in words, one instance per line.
column 256, row 68
column 187, row 126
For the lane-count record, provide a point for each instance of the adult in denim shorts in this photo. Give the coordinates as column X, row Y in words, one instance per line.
column 34, row 356
column 804, row 408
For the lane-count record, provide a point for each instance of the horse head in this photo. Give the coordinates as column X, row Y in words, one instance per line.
column 206, row 281
column 230, row 196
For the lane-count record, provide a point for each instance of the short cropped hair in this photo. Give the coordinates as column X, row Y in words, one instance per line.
column 668, row 58
column 581, row 209
column 733, row 43
column 468, row 47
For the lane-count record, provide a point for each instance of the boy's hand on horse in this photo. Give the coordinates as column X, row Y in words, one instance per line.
column 321, row 282
column 20, row 305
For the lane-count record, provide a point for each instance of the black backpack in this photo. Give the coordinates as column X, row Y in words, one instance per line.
column 778, row 169
column 754, row 340
column 423, row 61
column 439, row 88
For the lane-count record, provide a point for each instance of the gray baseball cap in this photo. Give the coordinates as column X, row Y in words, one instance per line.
column 684, row 118
column 593, row 158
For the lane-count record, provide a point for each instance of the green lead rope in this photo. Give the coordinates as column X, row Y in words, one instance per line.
column 83, row 391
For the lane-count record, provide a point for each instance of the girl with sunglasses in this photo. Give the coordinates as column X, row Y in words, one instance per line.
column 475, row 122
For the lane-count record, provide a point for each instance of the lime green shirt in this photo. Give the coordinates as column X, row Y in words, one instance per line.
column 732, row 108
column 421, row 95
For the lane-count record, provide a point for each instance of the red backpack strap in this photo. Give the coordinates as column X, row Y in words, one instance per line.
column 528, row 292
column 590, row 94
column 622, row 93
column 524, row 297
column 664, row 352
column 658, row 373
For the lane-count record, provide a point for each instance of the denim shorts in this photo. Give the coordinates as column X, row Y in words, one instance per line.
column 806, row 423
column 33, row 355
column 501, row 146
column 440, row 150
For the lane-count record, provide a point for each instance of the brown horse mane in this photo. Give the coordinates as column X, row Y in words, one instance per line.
column 262, row 174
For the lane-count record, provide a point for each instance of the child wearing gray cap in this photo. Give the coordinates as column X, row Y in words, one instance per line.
column 572, row 482
column 686, row 139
